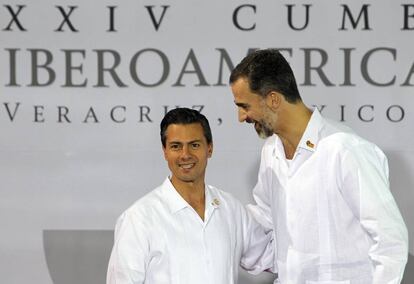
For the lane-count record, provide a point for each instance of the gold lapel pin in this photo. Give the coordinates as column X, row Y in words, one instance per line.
column 310, row 144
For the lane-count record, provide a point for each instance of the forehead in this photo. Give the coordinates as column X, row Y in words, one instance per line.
column 184, row 132
column 242, row 93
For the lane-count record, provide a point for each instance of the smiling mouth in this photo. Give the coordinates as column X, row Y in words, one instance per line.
column 187, row 166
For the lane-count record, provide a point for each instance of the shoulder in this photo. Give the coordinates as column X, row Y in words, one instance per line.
column 144, row 209
column 350, row 142
column 329, row 127
column 351, row 149
column 336, row 133
column 152, row 198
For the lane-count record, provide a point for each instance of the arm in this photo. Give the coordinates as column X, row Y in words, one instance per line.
column 366, row 189
column 127, row 264
column 261, row 211
column 259, row 245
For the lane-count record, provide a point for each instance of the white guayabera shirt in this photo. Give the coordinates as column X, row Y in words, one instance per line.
column 335, row 219
column 161, row 239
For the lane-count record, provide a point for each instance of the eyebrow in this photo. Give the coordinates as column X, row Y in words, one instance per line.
column 189, row 142
column 243, row 105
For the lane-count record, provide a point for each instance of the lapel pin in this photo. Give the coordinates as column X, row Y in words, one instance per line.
column 310, row 144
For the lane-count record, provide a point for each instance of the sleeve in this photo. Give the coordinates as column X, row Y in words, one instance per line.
column 258, row 245
column 128, row 261
column 261, row 211
column 366, row 189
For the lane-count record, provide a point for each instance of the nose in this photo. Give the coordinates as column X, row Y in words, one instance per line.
column 242, row 115
column 185, row 153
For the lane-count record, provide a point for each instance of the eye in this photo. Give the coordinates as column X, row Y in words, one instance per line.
column 195, row 145
column 174, row 147
column 244, row 107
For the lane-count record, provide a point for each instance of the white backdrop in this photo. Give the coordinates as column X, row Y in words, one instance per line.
column 84, row 85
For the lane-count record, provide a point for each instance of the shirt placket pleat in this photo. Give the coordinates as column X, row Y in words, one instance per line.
column 208, row 278
column 290, row 218
column 280, row 199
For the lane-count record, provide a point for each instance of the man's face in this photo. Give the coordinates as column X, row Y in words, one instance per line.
column 187, row 151
column 252, row 108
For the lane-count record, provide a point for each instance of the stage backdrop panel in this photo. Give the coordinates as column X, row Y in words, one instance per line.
column 84, row 85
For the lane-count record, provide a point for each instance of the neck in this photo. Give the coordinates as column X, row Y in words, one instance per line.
column 295, row 120
column 190, row 190
column 193, row 193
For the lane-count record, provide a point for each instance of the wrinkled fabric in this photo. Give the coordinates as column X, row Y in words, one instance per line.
column 335, row 219
column 161, row 239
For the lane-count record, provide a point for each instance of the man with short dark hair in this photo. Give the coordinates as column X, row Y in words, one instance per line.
column 321, row 188
column 185, row 231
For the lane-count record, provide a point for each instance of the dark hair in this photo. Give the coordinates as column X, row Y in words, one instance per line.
column 267, row 70
column 184, row 116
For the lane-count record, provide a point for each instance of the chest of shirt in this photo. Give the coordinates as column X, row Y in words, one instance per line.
column 191, row 250
column 310, row 184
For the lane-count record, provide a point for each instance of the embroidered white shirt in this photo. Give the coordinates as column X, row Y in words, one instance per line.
column 332, row 211
column 161, row 239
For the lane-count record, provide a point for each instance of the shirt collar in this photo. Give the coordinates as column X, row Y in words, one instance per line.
column 171, row 197
column 176, row 202
column 310, row 137
column 212, row 198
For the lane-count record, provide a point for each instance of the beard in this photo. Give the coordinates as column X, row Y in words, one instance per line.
column 263, row 129
column 263, row 126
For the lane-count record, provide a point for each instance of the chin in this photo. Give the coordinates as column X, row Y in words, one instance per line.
column 263, row 133
column 185, row 179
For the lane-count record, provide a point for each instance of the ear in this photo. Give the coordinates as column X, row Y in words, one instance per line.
column 165, row 153
column 273, row 100
column 210, row 149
